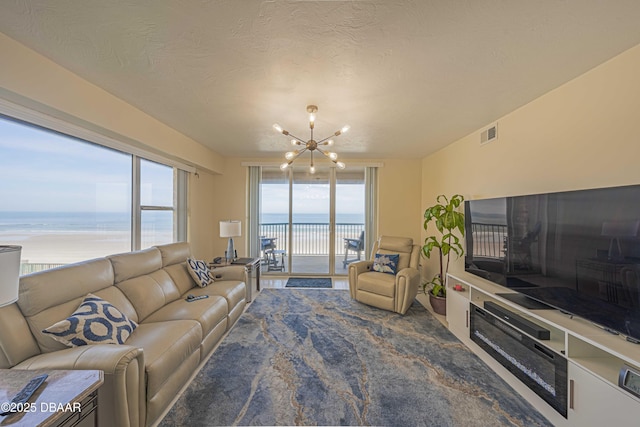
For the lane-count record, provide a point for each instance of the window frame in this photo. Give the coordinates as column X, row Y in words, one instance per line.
column 101, row 137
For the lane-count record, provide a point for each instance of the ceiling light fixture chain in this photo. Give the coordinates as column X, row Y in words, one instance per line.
column 311, row 145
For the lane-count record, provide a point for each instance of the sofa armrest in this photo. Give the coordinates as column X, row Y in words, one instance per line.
column 122, row 397
column 407, row 283
column 360, row 267
column 355, row 269
column 231, row 272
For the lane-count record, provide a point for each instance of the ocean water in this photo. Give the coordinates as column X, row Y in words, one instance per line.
column 78, row 221
column 55, row 238
column 121, row 221
column 341, row 218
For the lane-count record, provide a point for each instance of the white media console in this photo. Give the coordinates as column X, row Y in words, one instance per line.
column 594, row 356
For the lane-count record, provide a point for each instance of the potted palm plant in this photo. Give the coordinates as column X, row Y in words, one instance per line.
column 447, row 221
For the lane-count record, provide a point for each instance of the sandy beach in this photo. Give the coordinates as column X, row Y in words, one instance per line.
column 47, row 249
column 64, row 247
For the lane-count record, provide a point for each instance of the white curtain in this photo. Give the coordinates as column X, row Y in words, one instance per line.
column 253, row 229
column 371, row 208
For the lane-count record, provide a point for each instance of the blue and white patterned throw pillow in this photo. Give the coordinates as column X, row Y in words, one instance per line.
column 200, row 272
column 386, row 263
column 94, row 322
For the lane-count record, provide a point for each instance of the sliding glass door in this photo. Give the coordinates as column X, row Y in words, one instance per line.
column 273, row 228
column 350, row 218
column 311, row 223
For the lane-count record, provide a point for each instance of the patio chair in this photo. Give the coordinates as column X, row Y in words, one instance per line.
column 389, row 288
column 354, row 245
column 267, row 244
column 271, row 256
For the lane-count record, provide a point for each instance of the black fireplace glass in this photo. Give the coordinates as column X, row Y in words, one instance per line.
column 540, row 368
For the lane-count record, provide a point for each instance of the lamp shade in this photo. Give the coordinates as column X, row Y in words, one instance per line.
column 9, row 274
column 230, row 228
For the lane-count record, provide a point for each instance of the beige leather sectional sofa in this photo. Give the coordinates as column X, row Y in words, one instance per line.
column 143, row 375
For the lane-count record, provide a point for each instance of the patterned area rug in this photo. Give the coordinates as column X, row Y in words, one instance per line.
column 307, row 282
column 316, row 357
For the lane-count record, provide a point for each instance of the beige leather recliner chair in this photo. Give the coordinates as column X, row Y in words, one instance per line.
column 383, row 290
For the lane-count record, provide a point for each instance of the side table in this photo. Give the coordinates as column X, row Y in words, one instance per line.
column 67, row 398
column 253, row 271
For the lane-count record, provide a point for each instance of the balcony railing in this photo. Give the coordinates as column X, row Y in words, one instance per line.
column 489, row 240
column 27, row 267
column 310, row 238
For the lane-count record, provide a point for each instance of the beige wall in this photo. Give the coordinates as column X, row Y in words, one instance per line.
column 30, row 78
column 583, row 134
column 399, row 211
column 201, row 205
column 33, row 81
column 230, row 190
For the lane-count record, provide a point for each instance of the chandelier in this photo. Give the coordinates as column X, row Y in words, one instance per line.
column 311, row 145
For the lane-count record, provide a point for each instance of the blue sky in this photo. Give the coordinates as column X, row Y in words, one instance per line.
column 312, row 198
column 44, row 171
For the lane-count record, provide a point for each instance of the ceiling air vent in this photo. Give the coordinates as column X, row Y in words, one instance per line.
column 489, row 134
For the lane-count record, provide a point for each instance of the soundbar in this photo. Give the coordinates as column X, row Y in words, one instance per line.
column 517, row 321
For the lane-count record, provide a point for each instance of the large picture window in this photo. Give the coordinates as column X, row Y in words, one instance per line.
column 156, row 203
column 66, row 200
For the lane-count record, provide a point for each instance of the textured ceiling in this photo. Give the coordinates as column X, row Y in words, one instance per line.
column 409, row 76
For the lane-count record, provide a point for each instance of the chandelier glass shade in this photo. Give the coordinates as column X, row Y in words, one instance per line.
column 311, row 145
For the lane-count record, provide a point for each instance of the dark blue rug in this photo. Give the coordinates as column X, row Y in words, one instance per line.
column 317, row 357
column 308, row 282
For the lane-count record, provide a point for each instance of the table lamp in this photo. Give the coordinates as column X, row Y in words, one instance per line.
column 230, row 229
column 9, row 274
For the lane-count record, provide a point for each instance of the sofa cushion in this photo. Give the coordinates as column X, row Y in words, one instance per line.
column 180, row 276
column 403, row 246
column 174, row 253
column 200, row 272
column 377, row 283
column 46, row 289
column 166, row 346
column 207, row 312
column 386, row 263
column 95, row 321
column 149, row 292
column 234, row 291
column 49, row 296
column 133, row 264
column 17, row 342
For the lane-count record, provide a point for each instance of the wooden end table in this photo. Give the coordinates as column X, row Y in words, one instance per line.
column 65, row 399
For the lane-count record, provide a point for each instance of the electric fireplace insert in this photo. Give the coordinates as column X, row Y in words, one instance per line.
column 543, row 370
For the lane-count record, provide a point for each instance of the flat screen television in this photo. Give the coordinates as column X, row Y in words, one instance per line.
column 576, row 251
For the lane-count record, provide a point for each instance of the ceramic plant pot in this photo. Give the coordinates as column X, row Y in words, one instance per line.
column 439, row 304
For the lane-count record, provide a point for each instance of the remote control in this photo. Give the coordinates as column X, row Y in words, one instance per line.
column 25, row 394
column 194, row 298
